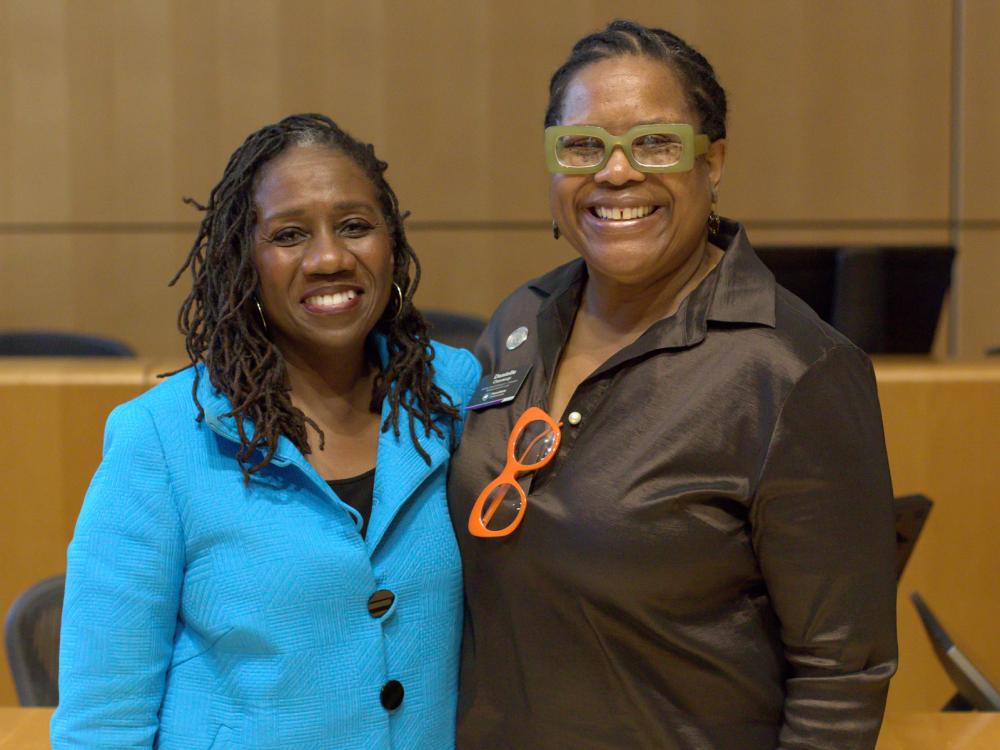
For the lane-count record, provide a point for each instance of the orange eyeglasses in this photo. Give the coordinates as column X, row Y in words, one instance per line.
column 500, row 506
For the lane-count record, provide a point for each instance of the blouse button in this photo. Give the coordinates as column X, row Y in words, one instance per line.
column 380, row 602
column 574, row 418
column 391, row 695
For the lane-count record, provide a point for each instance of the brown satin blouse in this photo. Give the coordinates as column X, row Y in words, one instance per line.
column 708, row 560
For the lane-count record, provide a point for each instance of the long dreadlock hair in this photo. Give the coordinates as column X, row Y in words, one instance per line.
column 224, row 330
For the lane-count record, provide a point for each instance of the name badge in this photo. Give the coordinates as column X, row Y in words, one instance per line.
column 498, row 387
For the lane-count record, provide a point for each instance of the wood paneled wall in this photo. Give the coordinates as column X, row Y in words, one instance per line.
column 851, row 122
column 978, row 204
column 112, row 110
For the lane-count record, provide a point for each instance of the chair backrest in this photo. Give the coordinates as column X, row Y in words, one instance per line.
column 60, row 344
column 911, row 513
column 31, row 633
column 887, row 300
column 454, row 329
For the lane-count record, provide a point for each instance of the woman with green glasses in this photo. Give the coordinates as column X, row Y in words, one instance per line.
column 673, row 502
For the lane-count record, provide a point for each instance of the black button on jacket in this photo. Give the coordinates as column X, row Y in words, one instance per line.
column 707, row 563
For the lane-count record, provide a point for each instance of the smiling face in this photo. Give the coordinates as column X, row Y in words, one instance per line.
column 631, row 227
column 322, row 251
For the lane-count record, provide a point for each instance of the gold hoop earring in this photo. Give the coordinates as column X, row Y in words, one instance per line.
column 555, row 231
column 399, row 303
column 260, row 311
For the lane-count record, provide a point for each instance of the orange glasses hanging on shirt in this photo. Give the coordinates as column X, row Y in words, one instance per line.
column 501, row 505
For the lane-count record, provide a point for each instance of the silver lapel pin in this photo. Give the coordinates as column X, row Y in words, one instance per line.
column 517, row 337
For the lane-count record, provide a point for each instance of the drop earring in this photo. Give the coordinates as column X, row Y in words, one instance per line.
column 555, row 231
column 714, row 220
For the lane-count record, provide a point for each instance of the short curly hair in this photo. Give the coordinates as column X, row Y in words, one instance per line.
column 621, row 38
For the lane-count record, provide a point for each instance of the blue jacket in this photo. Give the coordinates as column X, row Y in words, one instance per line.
column 203, row 612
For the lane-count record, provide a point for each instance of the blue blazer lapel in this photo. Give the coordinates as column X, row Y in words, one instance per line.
column 400, row 471
column 215, row 405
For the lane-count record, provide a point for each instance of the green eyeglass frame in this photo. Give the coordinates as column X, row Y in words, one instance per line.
column 692, row 145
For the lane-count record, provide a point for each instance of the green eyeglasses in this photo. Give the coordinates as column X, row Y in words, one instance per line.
column 585, row 149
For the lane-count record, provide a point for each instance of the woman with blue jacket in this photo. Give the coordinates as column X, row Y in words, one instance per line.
column 264, row 558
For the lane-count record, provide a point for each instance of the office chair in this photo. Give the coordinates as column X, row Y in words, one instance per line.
column 974, row 691
column 58, row 344
column 31, row 633
column 911, row 513
column 859, row 297
column 887, row 300
column 454, row 329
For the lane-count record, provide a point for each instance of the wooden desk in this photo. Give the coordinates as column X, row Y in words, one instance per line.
column 24, row 728
column 942, row 425
column 52, row 414
column 28, row 729
column 937, row 731
column 942, row 431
